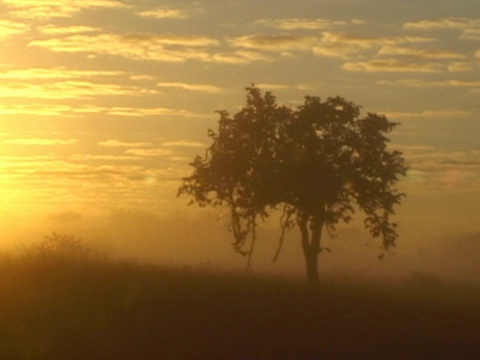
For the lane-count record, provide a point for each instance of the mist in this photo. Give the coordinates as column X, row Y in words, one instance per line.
column 200, row 238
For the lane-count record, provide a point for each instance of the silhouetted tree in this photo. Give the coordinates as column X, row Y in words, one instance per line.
column 316, row 163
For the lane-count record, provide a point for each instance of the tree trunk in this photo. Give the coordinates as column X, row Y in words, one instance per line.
column 311, row 230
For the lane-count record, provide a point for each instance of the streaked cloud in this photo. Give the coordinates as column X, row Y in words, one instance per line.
column 429, row 114
column 54, row 182
column 301, row 24
column 47, row 9
column 65, row 30
column 430, row 83
column 142, row 77
column 393, row 65
column 471, row 34
column 44, row 110
column 149, row 152
column 270, row 86
column 100, row 158
column 449, row 23
column 275, row 43
column 117, row 143
column 138, row 46
column 437, row 169
column 421, row 53
column 469, row 27
column 54, row 73
column 141, row 112
column 179, row 159
column 368, row 42
column 183, row 143
column 165, row 13
column 191, row 87
column 36, row 110
column 71, row 89
column 9, row 28
column 39, row 141
column 239, row 57
column 461, row 66
column 326, row 44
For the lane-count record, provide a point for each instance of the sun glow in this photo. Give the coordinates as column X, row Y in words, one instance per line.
column 10, row 193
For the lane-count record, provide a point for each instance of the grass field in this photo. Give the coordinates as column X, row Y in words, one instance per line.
column 59, row 301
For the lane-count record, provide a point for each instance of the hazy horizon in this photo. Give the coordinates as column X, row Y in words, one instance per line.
column 104, row 104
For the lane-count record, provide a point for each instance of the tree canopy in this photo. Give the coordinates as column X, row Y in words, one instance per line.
column 317, row 164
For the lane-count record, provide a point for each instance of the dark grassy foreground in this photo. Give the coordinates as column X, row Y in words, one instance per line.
column 71, row 305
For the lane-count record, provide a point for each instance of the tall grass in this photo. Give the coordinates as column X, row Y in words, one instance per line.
column 59, row 300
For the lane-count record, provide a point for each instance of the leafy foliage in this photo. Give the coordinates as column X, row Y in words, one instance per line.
column 317, row 163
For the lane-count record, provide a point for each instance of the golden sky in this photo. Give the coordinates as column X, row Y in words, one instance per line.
column 103, row 103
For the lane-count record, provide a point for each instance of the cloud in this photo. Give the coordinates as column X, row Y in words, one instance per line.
column 421, row 53
column 141, row 77
column 448, row 23
column 275, row 43
column 183, row 143
column 239, row 57
column 471, row 34
column 440, row 169
column 369, row 42
column 460, row 66
column 117, row 143
column 47, row 180
column 71, row 89
column 142, row 112
column 180, row 159
column 175, row 40
column 165, row 13
column 428, row 83
column 54, row 73
column 328, row 44
column 268, row 86
column 347, row 45
column 149, row 152
column 59, row 83
column 161, row 48
column 137, row 46
column 392, row 65
column 192, row 87
column 40, row 109
column 35, row 110
column 65, row 30
column 101, row 158
column 10, row 28
column 38, row 141
column 301, row 24
column 469, row 28
column 47, row 9
column 335, row 44
column 428, row 114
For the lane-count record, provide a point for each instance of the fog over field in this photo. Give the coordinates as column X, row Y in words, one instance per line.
column 201, row 238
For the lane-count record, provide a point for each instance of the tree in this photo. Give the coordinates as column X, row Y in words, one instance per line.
column 317, row 164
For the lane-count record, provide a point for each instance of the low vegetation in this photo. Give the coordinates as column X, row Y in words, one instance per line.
column 59, row 300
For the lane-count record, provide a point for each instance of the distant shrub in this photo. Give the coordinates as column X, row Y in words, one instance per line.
column 52, row 249
column 58, row 246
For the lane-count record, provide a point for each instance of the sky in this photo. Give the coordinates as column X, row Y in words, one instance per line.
column 103, row 104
